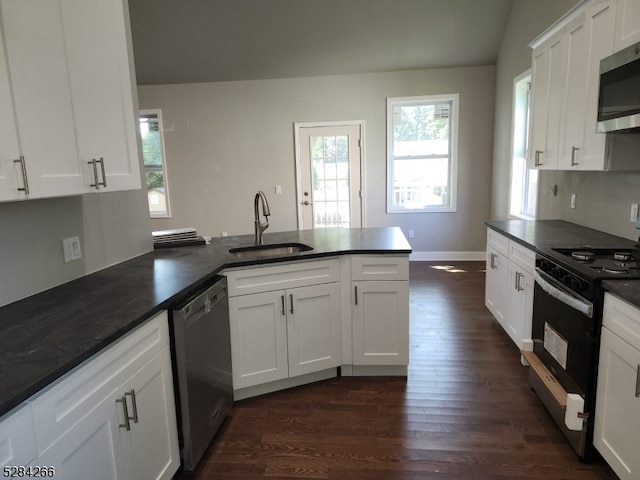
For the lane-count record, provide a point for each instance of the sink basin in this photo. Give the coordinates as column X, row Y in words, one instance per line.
column 271, row 250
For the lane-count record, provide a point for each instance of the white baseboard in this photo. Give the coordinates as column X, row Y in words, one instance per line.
column 447, row 256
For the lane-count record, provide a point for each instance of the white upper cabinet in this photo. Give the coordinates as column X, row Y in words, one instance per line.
column 565, row 83
column 101, row 87
column 548, row 69
column 588, row 40
column 9, row 150
column 627, row 24
column 40, row 84
column 71, row 86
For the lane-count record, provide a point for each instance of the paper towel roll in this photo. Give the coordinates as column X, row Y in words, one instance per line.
column 575, row 406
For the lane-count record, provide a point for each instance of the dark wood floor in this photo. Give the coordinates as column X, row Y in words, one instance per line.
column 464, row 412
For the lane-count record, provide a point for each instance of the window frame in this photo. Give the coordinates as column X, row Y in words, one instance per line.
column 454, row 99
column 158, row 113
column 523, row 204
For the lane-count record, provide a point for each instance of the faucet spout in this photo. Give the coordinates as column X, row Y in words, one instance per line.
column 259, row 228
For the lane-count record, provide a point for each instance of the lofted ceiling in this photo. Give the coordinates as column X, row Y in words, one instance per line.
column 186, row 41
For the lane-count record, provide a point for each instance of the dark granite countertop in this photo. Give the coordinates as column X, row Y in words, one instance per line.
column 542, row 235
column 46, row 335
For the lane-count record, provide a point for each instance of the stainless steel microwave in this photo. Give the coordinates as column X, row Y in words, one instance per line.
column 619, row 97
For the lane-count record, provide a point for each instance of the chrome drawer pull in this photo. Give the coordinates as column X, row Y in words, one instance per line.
column 573, row 156
column 125, row 409
column 638, row 382
column 23, row 167
column 132, row 394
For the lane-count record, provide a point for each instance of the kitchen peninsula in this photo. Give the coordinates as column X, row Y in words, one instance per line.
column 48, row 334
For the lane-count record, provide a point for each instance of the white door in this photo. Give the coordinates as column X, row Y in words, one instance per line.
column 329, row 190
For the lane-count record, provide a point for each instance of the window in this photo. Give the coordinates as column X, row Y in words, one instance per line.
column 422, row 136
column 524, row 182
column 154, row 162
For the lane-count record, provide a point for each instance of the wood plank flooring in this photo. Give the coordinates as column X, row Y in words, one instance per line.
column 465, row 411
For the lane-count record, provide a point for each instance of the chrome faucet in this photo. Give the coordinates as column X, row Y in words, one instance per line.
column 260, row 227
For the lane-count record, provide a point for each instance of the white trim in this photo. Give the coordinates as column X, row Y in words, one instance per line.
column 448, row 256
column 453, row 153
column 338, row 123
column 576, row 10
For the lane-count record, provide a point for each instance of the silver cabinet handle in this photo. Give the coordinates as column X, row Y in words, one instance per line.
column 537, row 161
column 125, row 409
column 96, row 181
column 492, row 263
column 25, row 182
column 355, row 290
column 283, row 307
column 291, row 300
column 573, row 156
column 638, row 382
column 132, row 394
column 518, row 278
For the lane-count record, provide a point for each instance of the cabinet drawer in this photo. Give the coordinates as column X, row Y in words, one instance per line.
column 17, row 438
column 68, row 400
column 278, row 277
column 524, row 257
column 622, row 318
column 379, row 267
column 497, row 241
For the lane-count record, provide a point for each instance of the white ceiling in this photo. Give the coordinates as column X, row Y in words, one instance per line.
column 184, row 41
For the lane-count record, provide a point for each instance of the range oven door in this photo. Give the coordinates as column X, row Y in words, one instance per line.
column 564, row 333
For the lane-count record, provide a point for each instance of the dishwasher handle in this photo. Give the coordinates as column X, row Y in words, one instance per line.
column 203, row 302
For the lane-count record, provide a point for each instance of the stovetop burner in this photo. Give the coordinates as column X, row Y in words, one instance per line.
column 603, row 263
column 583, row 255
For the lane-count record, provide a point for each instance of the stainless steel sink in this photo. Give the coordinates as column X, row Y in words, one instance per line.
column 272, row 250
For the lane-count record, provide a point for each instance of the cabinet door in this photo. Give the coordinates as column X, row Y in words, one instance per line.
column 381, row 323
column 617, row 416
column 258, row 338
column 627, row 24
column 40, row 82
column 313, row 328
column 548, row 70
column 10, row 173
column 520, row 304
column 91, row 448
column 101, row 90
column 17, row 438
column 496, row 278
column 152, row 443
column 589, row 40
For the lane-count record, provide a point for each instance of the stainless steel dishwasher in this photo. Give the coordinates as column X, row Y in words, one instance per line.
column 202, row 367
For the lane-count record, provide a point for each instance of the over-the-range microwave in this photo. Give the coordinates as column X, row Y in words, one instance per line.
column 619, row 98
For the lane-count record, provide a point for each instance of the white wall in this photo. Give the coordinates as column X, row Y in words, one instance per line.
column 112, row 227
column 225, row 141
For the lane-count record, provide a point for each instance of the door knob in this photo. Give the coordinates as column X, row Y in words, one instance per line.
column 306, row 202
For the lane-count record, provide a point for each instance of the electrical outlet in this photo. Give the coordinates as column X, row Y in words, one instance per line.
column 573, row 200
column 71, row 249
column 410, row 233
column 278, row 189
column 634, row 212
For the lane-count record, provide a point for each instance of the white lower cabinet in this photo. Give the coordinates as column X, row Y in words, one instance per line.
column 617, row 415
column 17, row 438
column 113, row 418
column 381, row 323
column 278, row 333
column 509, row 285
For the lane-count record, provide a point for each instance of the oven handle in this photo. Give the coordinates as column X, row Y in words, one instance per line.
column 579, row 304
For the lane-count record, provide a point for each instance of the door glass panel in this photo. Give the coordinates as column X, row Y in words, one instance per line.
column 330, row 180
